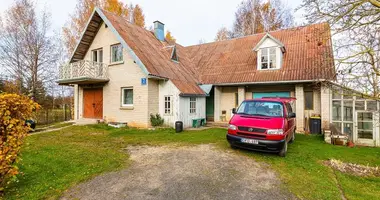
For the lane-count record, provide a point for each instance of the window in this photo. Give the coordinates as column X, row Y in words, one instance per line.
column 97, row 55
column 268, row 58
column 309, row 101
column 348, row 110
column 261, row 108
column 359, row 105
column 174, row 54
column 372, row 105
column 168, row 105
column 127, row 96
column 193, row 105
column 337, row 110
column 116, row 53
column 288, row 108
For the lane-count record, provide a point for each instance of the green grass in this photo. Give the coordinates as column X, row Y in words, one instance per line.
column 53, row 126
column 52, row 162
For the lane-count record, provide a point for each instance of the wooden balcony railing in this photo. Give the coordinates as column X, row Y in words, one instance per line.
column 83, row 70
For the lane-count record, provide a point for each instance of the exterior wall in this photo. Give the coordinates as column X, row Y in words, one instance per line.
column 227, row 101
column 153, row 96
column 184, row 110
column 268, row 88
column 217, row 102
column 241, row 94
column 300, row 107
column 125, row 74
column 167, row 88
column 180, row 110
column 326, row 97
column 227, row 96
column 78, row 104
column 316, row 101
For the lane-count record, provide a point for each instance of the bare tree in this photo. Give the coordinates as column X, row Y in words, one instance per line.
column 222, row 34
column 28, row 48
column 256, row 16
column 356, row 32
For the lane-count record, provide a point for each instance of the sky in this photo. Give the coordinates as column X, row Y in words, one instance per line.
column 188, row 21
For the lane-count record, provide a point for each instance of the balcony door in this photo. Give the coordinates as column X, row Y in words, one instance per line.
column 97, row 55
column 93, row 103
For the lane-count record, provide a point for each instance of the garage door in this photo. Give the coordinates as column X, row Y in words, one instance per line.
column 257, row 95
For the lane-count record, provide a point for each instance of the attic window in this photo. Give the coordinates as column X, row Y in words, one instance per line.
column 268, row 58
column 174, row 56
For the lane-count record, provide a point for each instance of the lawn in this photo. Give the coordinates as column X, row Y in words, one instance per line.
column 52, row 162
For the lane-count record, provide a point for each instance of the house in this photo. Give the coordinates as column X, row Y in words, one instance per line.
column 124, row 73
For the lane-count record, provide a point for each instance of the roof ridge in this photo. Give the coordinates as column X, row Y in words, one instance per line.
column 245, row 36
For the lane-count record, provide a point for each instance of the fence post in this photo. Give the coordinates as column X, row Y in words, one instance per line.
column 47, row 116
column 64, row 112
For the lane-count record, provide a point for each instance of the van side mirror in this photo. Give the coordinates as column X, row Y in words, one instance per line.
column 292, row 115
column 233, row 110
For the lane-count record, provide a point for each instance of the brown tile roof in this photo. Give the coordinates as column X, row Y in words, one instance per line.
column 156, row 55
column 308, row 56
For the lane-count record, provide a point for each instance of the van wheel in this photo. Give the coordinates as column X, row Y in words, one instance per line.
column 284, row 149
column 293, row 137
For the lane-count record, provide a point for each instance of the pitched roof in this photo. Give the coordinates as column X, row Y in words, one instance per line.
column 308, row 57
column 150, row 53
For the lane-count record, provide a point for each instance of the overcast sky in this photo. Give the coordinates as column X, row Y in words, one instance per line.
column 189, row 21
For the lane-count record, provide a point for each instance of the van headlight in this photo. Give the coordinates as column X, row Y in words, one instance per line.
column 275, row 132
column 232, row 127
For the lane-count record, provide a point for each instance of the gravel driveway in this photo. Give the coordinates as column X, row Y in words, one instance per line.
column 196, row 172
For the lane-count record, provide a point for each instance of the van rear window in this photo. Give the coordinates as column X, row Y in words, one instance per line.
column 261, row 108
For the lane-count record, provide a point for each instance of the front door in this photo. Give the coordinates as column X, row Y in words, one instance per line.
column 93, row 103
column 364, row 127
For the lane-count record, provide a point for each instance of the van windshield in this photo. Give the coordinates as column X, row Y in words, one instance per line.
column 261, row 108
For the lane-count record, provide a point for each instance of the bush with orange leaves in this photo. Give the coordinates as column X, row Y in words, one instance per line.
column 14, row 110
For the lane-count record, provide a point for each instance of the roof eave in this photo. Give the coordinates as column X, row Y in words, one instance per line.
column 267, row 35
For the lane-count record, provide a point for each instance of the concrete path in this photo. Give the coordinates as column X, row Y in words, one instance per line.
column 197, row 172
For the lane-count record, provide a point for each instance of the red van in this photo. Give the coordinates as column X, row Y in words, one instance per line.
column 267, row 124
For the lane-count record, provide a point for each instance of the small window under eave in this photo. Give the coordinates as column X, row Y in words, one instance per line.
column 174, row 56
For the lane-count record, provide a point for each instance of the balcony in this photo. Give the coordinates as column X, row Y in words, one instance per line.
column 83, row 72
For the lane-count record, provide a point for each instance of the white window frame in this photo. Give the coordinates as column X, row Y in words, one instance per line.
column 111, row 54
column 193, row 105
column 123, row 89
column 97, row 51
column 268, row 54
column 168, row 101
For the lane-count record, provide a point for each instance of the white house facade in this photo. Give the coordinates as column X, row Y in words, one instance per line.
column 124, row 73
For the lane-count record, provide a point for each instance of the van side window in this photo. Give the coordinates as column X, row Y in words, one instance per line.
column 288, row 108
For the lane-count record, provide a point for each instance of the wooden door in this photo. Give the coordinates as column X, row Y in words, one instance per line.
column 93, row 103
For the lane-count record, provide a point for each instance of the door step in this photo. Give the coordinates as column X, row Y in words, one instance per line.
column 85, row 121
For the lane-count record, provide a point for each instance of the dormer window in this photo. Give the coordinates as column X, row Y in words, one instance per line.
column 269, row 53
column 174, row 56
column 268, row 58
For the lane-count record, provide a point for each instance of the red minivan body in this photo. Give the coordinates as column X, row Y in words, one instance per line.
column 266, row 124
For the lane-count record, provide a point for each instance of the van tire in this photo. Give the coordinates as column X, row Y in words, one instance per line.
column 233, row 146
column 284, row 149
column 293, row 137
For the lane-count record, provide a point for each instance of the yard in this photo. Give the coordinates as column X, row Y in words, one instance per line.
column 53, row 162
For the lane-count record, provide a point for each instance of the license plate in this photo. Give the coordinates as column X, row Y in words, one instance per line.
column 249, row 141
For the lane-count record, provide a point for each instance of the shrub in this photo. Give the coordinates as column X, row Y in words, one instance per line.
column 14, row 110
column 156, row 120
